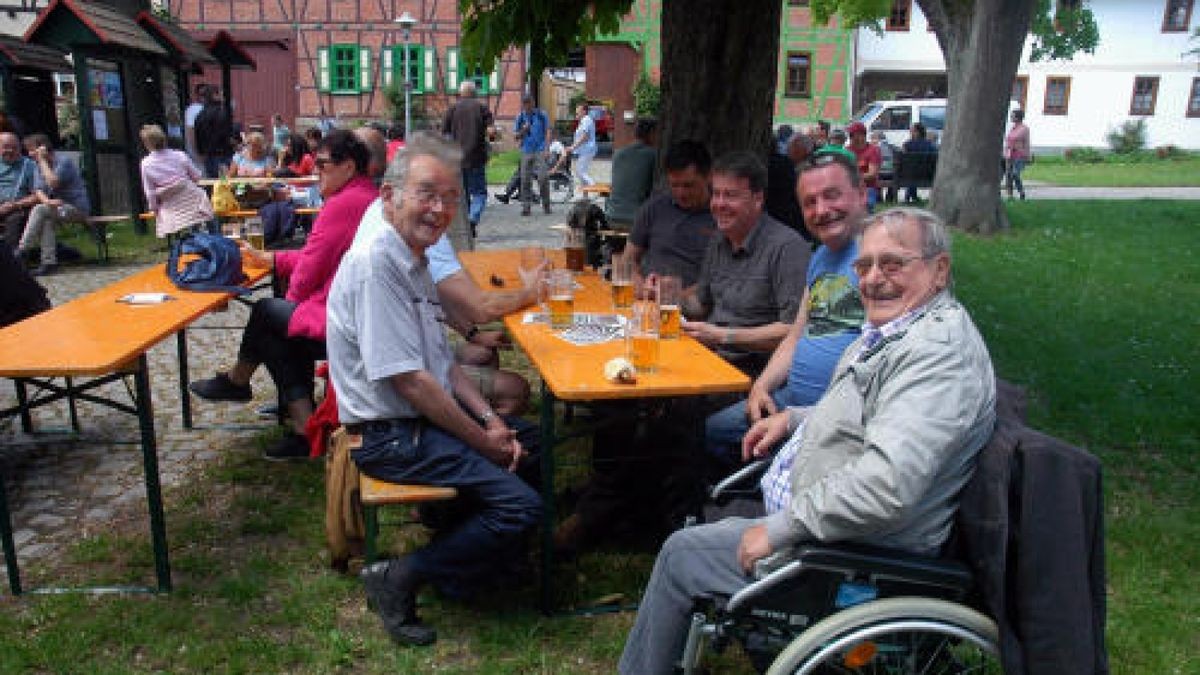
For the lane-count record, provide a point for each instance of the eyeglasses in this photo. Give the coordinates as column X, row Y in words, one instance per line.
column 731, row 195
column 322, row 162
column 888, row 264
column 427, row 196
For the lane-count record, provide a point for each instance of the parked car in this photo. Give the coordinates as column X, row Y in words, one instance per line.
column 895, row 118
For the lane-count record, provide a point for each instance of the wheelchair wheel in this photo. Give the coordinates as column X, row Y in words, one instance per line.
column 562, row 188
column 896, row 635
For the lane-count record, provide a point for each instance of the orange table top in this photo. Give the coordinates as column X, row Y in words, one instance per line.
column 95, row 334
column 575, row 373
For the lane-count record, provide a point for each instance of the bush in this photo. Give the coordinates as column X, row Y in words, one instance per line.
column 1129, row 137
column 1169, row 152
column 1083, row 155
column 646, row 96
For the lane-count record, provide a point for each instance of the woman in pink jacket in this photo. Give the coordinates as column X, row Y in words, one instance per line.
column 1016, row 154
column 288, row 334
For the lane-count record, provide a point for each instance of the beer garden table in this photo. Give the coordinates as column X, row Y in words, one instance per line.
column 100, row 337
column 575, row 373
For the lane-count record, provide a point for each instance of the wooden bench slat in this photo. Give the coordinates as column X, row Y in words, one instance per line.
column 377, row 493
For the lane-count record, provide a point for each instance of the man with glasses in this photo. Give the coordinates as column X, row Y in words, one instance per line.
column 831, row 313
column 421, row 417
column 748, row 289
column 880, row 459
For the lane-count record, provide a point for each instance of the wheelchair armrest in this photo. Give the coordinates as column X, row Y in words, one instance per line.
column 860, row 562
column 742, row 481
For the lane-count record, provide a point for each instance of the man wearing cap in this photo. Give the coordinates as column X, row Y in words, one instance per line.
column 869, row 160
column 532, row 127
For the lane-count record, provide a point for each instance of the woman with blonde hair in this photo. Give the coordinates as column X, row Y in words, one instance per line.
column 169, row 181
column 254, row 160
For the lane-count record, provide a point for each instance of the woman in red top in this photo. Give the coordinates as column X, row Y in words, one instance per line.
column 288, row 334
column 1016, row 153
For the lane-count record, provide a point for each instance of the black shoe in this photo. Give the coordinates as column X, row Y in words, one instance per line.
column 291, row 447
column 221, row 388
column 474, row 229
column 502, row 198
column 45, row 269
column 391, row 587
column 525, row 212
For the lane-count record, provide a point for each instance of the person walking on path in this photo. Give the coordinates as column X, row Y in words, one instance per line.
column 1016, row 154
column 470, row 123
column 533, row 129
column 583, row 147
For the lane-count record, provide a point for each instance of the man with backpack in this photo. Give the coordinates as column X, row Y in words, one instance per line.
column 533, row 129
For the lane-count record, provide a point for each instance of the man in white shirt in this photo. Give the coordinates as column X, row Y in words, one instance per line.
column 189, row 121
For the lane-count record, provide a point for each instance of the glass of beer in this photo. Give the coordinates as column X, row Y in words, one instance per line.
column 254, row 233
column 561, row 290
column 573, row 247
column 670, row 296
column 642, row 336
column 622, row 283
column 232, row 229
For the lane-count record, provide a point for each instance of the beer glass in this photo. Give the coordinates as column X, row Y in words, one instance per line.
column 561, row 289
column 622, row 283
column 255, row 234
column 574, row 248
column 641, row 344
column 670, row 296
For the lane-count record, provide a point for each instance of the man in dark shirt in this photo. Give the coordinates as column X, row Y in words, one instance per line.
column 672, row 229
column 917, row 142
column 470, row 123
column 634, row 170
column 213, row 131
column 750, row 285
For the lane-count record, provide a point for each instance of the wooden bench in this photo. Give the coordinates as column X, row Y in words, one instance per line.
column 374, row 493
column 598, row 190
column 98, row 227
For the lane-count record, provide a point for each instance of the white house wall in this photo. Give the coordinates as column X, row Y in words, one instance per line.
column 1132, row 44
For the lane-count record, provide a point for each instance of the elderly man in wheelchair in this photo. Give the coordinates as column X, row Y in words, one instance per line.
column 874, row 467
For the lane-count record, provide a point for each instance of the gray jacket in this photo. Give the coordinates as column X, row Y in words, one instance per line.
column 890, row 445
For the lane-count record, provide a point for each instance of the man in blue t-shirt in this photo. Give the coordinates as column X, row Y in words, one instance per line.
column 532, row 127
column 833, row 200
column 16, row 188
column 62, row 198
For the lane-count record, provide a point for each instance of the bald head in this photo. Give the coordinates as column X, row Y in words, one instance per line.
column 376, row 148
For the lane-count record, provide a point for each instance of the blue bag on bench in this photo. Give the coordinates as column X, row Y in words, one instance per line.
column 219, row 267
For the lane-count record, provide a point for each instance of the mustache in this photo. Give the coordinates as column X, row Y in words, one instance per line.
column 833, row 217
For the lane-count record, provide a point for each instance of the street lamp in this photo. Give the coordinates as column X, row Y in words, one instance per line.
column 406, row 22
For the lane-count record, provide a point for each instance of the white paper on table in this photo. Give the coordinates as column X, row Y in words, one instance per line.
column 144, row 298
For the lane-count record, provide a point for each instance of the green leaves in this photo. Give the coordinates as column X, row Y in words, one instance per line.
column 1061, row 33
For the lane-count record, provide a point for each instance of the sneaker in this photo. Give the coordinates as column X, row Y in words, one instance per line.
column 502, row 198
column 45, row 269
column 221, row 388
column 391, row 587
column 289, row 448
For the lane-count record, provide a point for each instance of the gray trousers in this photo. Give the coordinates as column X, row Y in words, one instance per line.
column 531, row 163
column 43, row 219
column 694, row 563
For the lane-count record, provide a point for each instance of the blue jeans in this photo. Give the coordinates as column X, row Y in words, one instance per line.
column 503, row 507
column 724, row 429
column 475, row 183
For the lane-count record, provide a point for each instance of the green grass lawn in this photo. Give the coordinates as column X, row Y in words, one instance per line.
column 501, row 165
column 1092, row 306
column 1183, row 172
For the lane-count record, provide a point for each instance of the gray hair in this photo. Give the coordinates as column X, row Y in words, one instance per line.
column 935, row 238
column 466, row 88
column 422, row 143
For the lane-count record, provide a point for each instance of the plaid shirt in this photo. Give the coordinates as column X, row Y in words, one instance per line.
column 776, row 483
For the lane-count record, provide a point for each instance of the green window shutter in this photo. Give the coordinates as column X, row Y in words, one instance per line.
column 452, row 70
column 427, row 79
column 323, row 84
column 387, row 57
column 366, row 79
column 416, row 67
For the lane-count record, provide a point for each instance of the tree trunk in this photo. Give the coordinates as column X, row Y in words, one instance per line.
column 981, row 42
column 719, row 67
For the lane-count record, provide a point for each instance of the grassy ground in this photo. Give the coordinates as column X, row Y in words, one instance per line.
column 1092, row 306
column 501, row 165
column 1138, row 172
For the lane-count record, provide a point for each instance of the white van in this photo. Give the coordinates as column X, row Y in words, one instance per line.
column 895, row 118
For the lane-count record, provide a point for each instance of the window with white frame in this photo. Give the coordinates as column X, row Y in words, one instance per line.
column 420, row 67
column 1145, row 93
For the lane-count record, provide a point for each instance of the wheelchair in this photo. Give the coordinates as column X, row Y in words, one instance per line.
column 848, row 609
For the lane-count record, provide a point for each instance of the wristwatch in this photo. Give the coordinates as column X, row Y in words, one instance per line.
column 472, row 332
column 487, row 416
